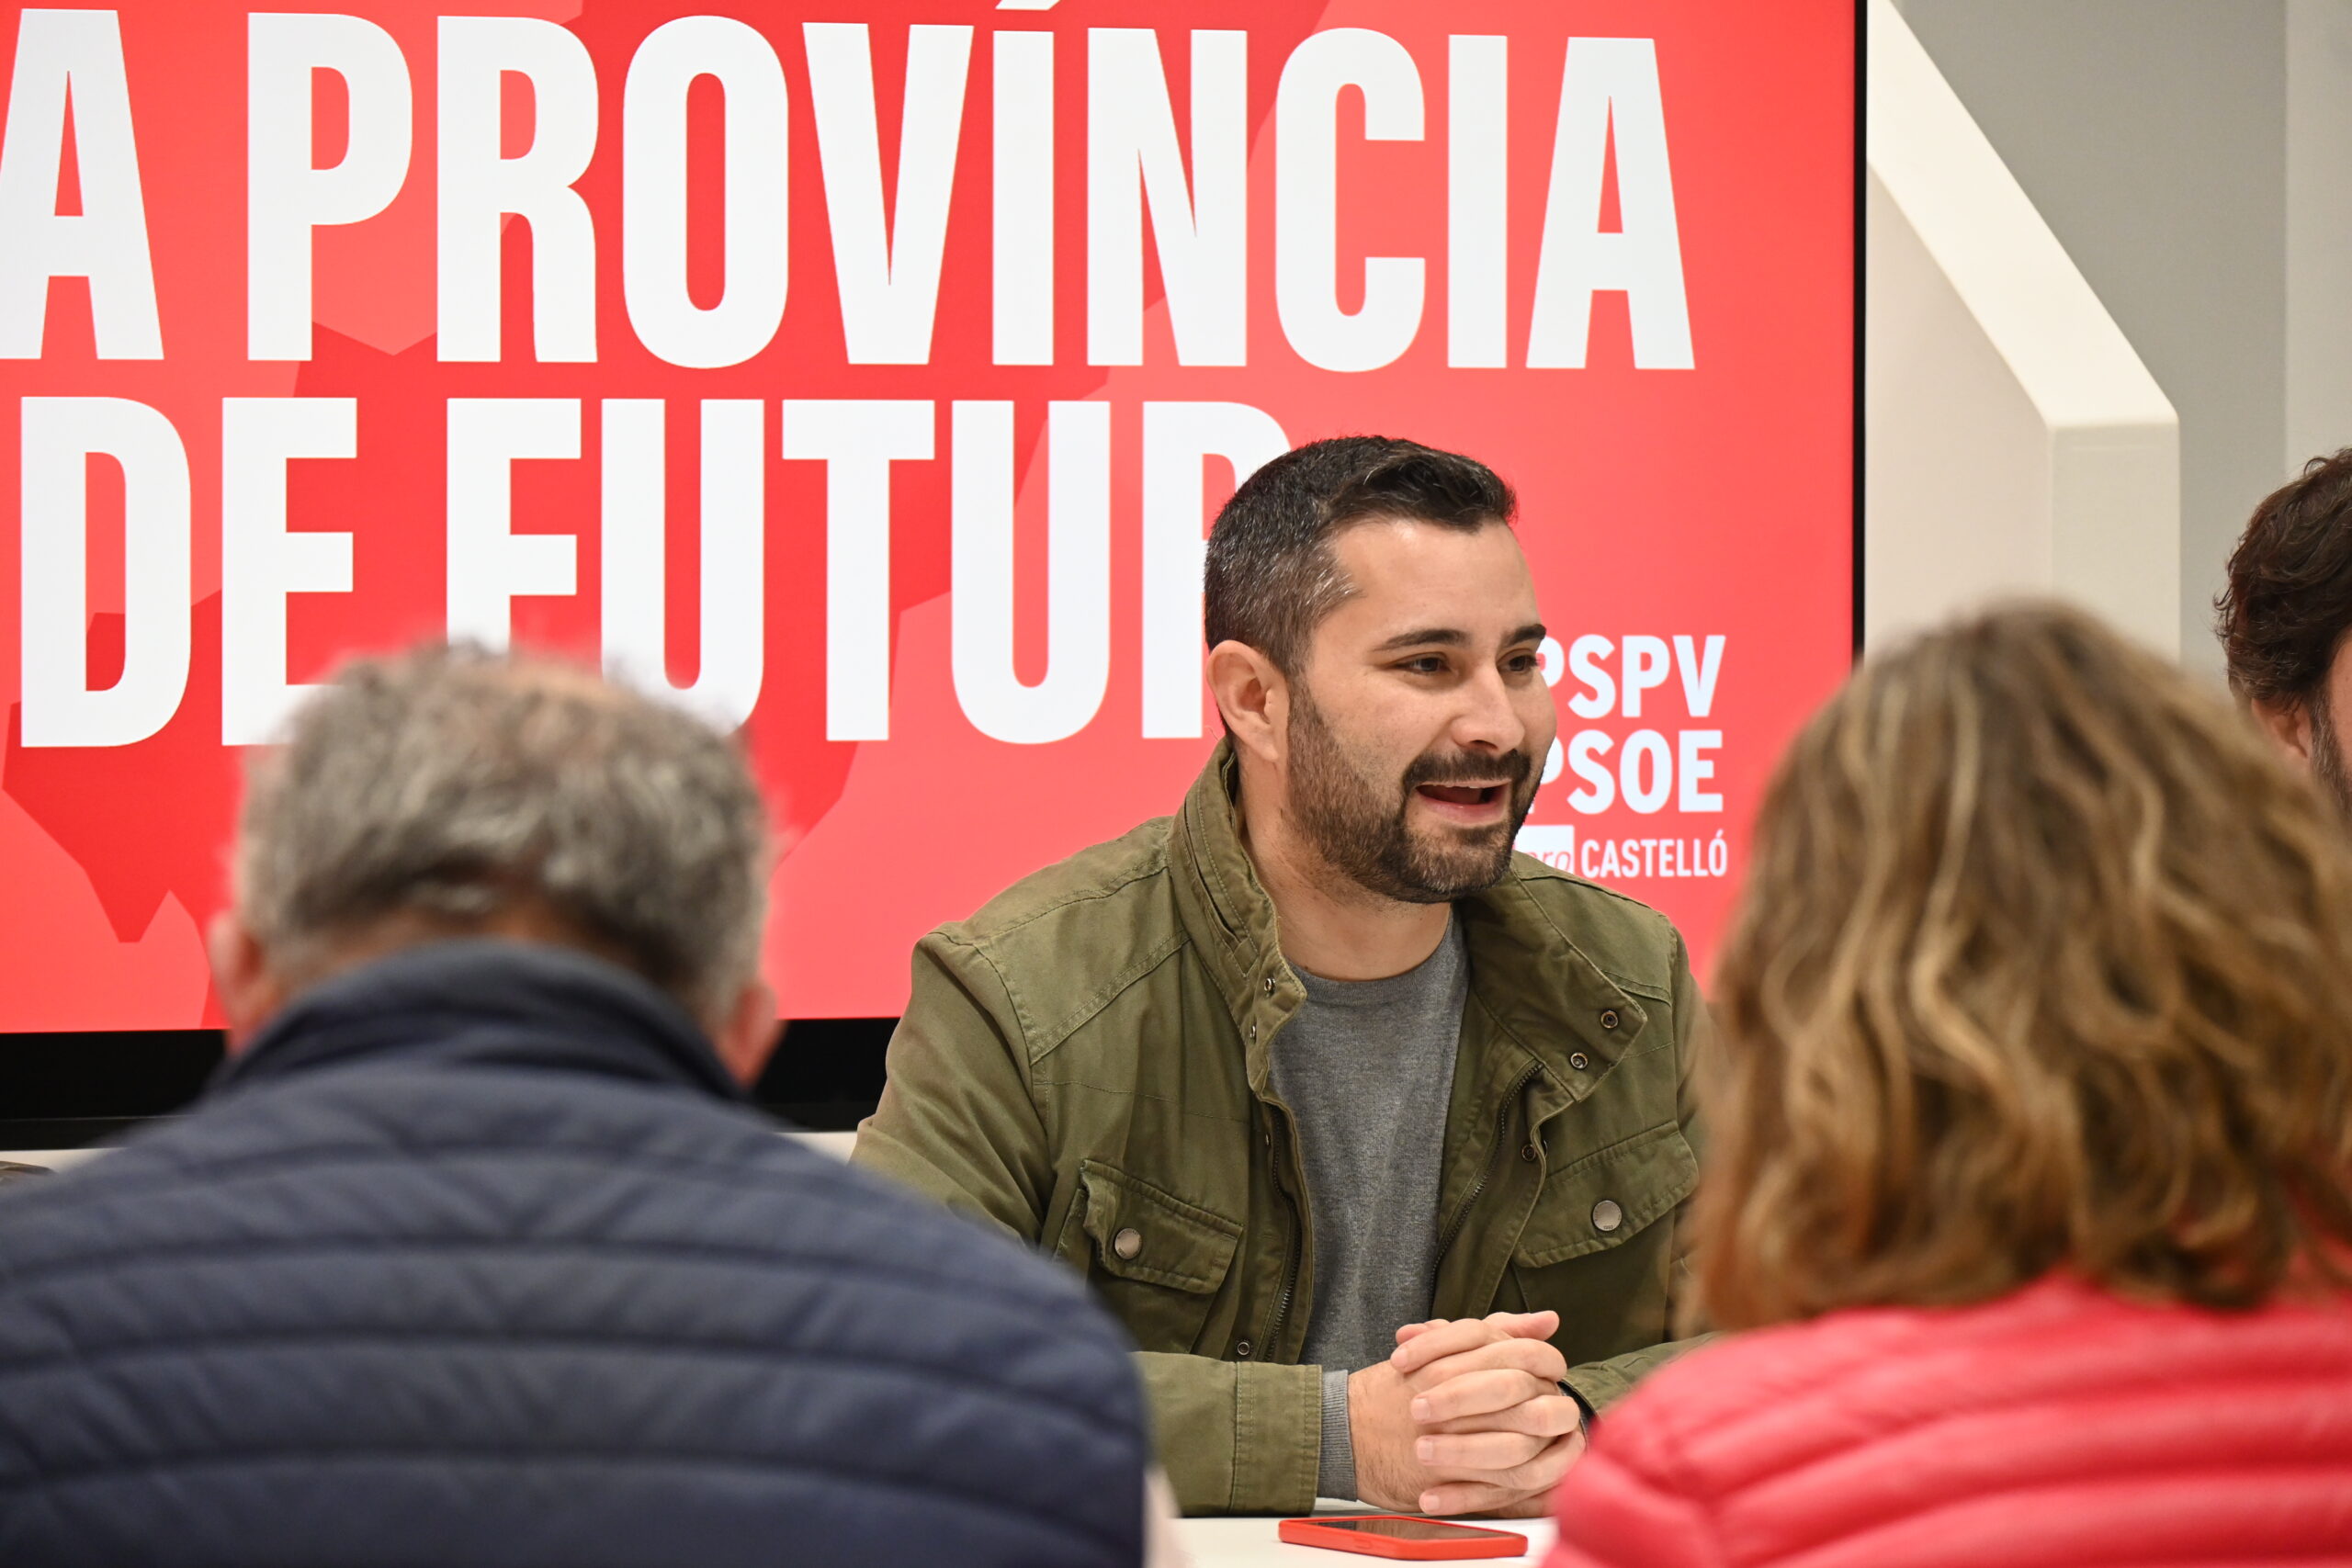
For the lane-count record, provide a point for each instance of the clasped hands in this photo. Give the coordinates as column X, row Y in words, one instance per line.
column 1466, row 1417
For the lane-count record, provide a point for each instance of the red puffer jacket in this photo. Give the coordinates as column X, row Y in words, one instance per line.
column 2055, row 1427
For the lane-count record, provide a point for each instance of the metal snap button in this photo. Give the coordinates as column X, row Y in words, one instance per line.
column 1608, row 1018
column 1527, row 1153
column 1253, row 1029
column 1129, row 1242
column 1241, row 1351
column 1607, row 1216
column 1576, row 1060
column 1269, row 985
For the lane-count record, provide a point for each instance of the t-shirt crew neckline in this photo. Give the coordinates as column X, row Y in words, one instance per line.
column 1388, row 989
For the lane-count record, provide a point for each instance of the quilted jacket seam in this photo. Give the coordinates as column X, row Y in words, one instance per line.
column 927, row 1485
column 108, row 1184
column 831, row 1267
column 931, row 1373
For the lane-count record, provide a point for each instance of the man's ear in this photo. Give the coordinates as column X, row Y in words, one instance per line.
column 2289, row 726
column 747, row 1034
column 1254, row 698
column 249, row 991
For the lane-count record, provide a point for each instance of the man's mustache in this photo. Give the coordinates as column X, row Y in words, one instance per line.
column 1511, row 768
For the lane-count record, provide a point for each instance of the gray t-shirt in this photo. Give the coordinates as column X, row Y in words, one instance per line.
column 1366, row 1067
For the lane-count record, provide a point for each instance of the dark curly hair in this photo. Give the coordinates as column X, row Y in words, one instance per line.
column 2289, row 603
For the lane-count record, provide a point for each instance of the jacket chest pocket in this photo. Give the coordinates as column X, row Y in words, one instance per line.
column 1600, row 1248
column 1156, row 1261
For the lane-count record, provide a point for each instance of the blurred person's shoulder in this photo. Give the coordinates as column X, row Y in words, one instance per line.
column 2056, row 1353
column 1627, row 940
column 800, row 1326
column 410, row 1159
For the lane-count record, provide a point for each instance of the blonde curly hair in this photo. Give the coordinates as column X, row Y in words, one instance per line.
column 2043, row 962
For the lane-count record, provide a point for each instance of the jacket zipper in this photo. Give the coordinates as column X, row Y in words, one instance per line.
column 1290, row 1288
column 1502, row 1135
column 1290, row 1274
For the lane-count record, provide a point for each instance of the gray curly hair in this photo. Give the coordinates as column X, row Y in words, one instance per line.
column 453, row 784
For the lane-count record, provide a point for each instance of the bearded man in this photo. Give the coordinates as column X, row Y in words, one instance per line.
column 1372, row 1132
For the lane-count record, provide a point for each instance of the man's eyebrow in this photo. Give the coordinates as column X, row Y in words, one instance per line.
column 1425, row 637
column 1452, row 636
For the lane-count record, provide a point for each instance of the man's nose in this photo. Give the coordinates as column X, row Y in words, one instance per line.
column 1490, row 719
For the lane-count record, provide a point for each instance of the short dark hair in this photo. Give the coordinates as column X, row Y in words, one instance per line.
column 2289, row 603
column 1271, row 577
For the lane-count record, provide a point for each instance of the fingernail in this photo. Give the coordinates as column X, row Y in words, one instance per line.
column 1428, row 1501
column 1425, row 1451
column 1421, row 1410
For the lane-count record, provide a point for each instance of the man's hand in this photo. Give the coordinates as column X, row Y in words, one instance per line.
column 1493, row 1428
column 1467, row 1416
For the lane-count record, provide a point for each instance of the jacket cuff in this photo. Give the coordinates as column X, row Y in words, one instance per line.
column 1277, row 1438
column 1334, row 1474
column 1585, row 1412
column 1597, row 1385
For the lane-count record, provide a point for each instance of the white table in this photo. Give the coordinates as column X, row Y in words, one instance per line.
column 1250, row 1543
column 55, row 1160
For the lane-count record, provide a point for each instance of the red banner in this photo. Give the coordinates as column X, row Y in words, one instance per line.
column 869, row 383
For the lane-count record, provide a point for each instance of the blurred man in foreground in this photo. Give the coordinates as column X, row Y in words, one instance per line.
column 474, row 1254
column 2284, row 616
column 1312, row 1075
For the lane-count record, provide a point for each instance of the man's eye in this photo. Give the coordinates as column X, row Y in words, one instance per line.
column 1427, row 664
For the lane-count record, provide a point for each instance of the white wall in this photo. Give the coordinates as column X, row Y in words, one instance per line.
column 2153, row 137
column 2014, row 442
column 2318, row 325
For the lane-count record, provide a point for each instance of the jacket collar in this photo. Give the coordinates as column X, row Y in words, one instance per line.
column 487, row 1003
column 1526, row 971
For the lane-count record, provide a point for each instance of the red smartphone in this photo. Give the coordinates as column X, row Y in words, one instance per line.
column 1401, row 1536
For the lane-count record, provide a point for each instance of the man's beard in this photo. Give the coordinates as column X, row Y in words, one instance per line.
column 1358, row 824
column 2327, row 756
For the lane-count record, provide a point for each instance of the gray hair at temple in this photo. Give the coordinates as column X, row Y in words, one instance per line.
column 450, row 786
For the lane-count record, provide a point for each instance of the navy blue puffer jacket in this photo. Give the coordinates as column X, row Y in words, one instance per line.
column 474, row 1258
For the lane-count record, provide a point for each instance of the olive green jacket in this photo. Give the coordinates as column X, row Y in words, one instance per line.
column 1084, row 1062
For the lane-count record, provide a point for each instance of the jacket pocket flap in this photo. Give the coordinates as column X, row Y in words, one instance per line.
column 1142, row 1232
column 1608, row 1196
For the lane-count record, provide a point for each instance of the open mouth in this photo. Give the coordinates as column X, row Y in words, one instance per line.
column 1461, row 795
